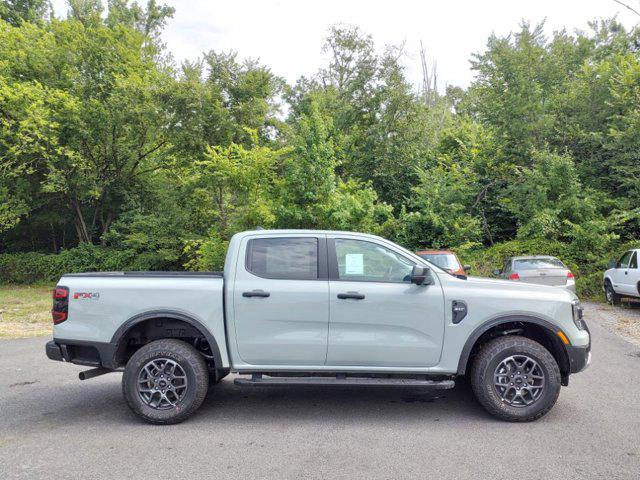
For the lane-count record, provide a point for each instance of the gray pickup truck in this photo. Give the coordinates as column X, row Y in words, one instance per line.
column 300, row 307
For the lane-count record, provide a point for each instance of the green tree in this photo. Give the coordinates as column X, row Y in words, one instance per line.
column 15, row 12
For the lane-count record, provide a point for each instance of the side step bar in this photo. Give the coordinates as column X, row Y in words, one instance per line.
column 257, row 380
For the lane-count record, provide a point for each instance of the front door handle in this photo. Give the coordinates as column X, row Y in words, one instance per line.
column 354, row 295
column 256, row 293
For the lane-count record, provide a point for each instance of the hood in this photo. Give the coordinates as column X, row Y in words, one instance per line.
column 510, row 285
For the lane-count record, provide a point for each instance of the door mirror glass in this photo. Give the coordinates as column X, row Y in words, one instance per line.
column 497, row 272
column 467, row 268
column 421, row 275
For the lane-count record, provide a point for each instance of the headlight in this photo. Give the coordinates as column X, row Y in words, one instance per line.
column 578, row 310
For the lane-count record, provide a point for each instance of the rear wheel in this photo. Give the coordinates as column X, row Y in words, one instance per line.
column 165, row 381
column 515, row 379
column 612, row 297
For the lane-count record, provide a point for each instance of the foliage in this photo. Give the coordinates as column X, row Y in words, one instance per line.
column 32, row 267
column 114, row 157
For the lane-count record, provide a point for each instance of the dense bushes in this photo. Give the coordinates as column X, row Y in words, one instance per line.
column 41, row 267
column 587, row 266
column 24, row 268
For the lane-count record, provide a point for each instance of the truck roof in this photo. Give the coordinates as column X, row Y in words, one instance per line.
column 294, row 231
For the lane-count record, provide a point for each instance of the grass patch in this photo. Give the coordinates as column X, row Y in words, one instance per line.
column 25, row 311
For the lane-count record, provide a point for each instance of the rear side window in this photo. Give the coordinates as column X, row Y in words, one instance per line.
column 283, row 258
column 634, row 261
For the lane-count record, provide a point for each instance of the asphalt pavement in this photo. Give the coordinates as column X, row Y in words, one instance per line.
column 54, row 426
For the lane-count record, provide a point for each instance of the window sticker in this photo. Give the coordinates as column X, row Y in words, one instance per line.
column 354, row 264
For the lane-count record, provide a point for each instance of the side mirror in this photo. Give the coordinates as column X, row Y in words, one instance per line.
column 421, row 275
column 497, row 272
column 467, row 268
column 612, row 264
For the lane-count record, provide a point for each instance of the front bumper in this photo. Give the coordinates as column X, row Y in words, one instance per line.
column 579, row 356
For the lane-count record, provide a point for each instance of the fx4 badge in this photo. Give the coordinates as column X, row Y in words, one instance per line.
column 86, row 295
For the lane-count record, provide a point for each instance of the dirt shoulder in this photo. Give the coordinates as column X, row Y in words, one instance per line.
column 623, row 320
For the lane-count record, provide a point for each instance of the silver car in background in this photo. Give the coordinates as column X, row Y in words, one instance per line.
column 538, row 269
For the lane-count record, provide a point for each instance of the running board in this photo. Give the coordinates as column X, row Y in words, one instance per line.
column 258, row 380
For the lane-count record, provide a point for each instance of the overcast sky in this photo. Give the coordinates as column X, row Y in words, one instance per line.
column 287, row 35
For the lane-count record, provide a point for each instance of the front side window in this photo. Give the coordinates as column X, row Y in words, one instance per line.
column 283, row 258
column 362, row 261
column 624, row 261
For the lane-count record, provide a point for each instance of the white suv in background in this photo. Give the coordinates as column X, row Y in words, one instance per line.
column 623, row 277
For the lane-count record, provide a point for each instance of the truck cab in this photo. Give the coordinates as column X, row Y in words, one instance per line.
column 622, row 279
column 319, row 307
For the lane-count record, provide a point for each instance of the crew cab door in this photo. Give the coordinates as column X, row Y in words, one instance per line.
column 281, row 310
column 377, row 317
column 629, row 276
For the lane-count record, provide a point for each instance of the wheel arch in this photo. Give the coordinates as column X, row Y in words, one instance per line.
column 527, row 325
column 121, row 335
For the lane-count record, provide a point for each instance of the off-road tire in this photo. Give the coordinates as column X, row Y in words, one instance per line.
column 610, row 294
column 482, row 378
column 190, row 361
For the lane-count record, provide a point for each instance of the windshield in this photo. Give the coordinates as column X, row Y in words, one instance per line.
column 448, row 261
column 535, row 263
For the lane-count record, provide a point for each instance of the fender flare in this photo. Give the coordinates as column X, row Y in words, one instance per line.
column 485, row 327
column 121, row 332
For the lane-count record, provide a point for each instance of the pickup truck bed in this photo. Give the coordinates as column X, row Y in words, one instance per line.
column 105, row 307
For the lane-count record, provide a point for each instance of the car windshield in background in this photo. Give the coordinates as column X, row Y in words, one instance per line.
column 535, row 263
column 442, row 260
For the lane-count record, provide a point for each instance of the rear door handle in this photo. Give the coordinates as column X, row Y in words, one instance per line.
column 256, row 293
column 354, row 295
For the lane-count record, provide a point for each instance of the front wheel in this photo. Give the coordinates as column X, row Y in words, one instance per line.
column 612, row 297
column 515, row 379
column 165, row 381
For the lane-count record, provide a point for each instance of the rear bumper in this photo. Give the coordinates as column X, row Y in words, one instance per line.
column 92, row 354
column 53, row 351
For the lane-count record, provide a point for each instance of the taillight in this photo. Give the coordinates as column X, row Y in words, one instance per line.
column 60, row 292
column 570, row 275
column 514, row 276
column 60, row 309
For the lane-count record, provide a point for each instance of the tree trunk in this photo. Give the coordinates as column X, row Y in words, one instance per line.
column 81, row 225
column 105, row 227
column 54, row 244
